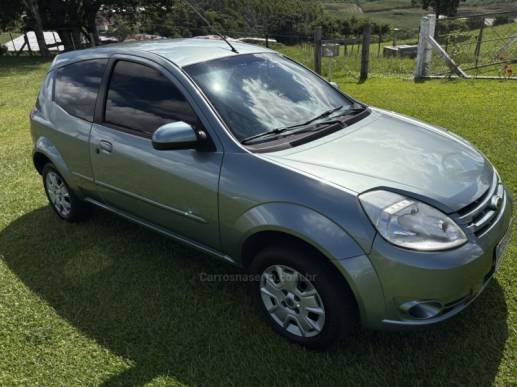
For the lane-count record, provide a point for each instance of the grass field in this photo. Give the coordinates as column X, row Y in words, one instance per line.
column 347, row 67
column 405, row 15
column 396, row 13
column 5, row 37
column 107, row 302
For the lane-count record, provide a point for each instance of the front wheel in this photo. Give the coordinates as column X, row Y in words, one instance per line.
column 302, row 298
column 62, row 199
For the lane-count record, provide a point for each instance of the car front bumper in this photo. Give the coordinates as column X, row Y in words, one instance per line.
column 424, row 288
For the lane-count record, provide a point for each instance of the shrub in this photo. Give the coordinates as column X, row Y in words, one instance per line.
column 474, row 23
column 501, row 19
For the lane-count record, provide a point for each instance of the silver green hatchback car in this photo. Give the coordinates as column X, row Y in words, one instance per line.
column 339, row 212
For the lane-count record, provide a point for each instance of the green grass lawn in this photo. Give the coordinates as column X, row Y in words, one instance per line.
column 4, row 37
column 108, row 302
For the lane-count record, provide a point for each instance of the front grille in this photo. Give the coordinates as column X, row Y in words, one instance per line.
column 481, row 214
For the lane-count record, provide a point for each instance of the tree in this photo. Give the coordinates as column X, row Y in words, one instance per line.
column 440, row 7
column 284, row 20
column 68, row 18
column 32, row 8
column 89, row 11
column 330, row 26
column 380, row 30
column 12, row 15
column 75, row 19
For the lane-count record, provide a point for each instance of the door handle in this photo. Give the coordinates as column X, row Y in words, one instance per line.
column 106, row 146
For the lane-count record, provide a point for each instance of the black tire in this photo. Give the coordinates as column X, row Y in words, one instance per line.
column 341, row 314
column 78, row 211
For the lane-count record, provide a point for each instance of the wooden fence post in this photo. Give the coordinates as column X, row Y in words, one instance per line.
column 424, row 50
column 477, row 51
column 27, row 43
column 12, row 42
column 365, row 52
column 317, row 50
column 21, row 48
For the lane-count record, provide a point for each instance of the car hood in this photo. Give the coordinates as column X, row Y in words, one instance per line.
column 392, row 151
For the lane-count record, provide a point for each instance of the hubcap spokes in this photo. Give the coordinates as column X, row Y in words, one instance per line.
column 58, row 194
column 292, row 301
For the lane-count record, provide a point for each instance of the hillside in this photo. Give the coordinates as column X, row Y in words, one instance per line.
column 402, row 14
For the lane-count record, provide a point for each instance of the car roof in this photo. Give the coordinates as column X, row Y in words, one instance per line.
column 182, row 52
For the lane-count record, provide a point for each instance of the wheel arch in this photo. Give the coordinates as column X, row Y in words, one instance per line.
column 267, row 238
column 287, row 223
column 356, row 273
column 40, row 159
column 44, row 152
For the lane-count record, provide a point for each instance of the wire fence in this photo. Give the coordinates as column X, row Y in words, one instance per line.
column 480, row 45
column 346, row 61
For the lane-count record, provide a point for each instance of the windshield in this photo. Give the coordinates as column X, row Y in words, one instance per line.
column 257, row 93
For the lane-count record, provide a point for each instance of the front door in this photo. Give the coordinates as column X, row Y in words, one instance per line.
column 174, row 189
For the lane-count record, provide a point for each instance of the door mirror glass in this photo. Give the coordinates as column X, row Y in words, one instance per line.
column 176, row 135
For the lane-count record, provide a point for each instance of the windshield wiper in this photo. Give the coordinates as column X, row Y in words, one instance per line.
column 275, row 132
column 268, row 133
column 340, row 119
column 272, row 133
column 354, row 109
column 323, row 115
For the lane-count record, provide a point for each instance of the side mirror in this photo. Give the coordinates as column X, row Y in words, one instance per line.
column 176, row 135
column 334, row 84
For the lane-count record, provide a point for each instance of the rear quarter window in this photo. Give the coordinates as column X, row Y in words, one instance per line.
column 77, row 86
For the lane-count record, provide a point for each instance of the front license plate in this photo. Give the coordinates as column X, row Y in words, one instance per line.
column 503, row 244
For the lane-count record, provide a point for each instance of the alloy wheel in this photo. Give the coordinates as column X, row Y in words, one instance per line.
column 58, row 194
column 292, row 301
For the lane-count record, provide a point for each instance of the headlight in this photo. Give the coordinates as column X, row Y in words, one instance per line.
column 411, row 224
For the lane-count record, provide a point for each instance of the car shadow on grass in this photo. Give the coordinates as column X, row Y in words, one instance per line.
column 147, row 299
column 10, row 65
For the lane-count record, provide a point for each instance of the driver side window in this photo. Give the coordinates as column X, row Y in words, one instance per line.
column 141, row 99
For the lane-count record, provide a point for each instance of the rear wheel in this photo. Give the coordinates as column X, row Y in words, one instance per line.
column 302, row 298
column 62, row 199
